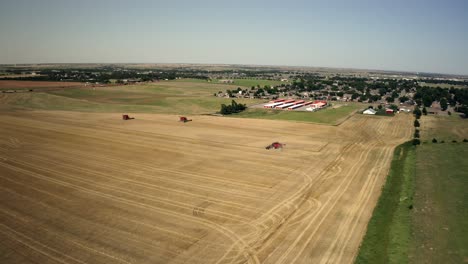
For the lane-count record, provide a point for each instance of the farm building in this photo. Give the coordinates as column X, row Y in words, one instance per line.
column 272, row 105
column 295, row 106
column 318, row 104
column 284, row 105
column 369, row 111
column 389, row 111
column 291, row 104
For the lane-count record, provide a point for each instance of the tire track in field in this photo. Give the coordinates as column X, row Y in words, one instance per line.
column 363, row 195
column 115, row 138
column 104, row 157
column 154, row 186
column 297, row 255
column 35, row 189
column 285, row 203
column 347, row 226
column 258, row 240
column 221, row 229
column 264, row 242
column 120, row 179
column 37, row 246
column 92, row 250
column 333, row 199
column 127, row 235
column 73, row 241
column 337, row 193
column 125, row 191
column 363, row 207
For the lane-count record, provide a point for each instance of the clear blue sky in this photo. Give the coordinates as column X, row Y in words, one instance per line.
column 426, row 36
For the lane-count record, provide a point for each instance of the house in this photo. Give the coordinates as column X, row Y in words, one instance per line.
column 369, row 111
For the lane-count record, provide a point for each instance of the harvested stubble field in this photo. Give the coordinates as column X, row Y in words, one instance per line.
column 91, row 188
column 22, row 85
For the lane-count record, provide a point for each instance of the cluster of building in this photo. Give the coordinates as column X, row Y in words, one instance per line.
column 292, row 104
column 371, row 111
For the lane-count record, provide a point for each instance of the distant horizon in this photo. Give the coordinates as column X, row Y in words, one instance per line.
column 240, row 64
column 409, row 36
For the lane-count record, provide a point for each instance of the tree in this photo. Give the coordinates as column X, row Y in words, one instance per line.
column 443, row 104
column 416, row 123
column 380, row 107
column 427, row 100
column 394, row 107
column 434, row 140
column 417, row 112
column 233, row 108
column 403, row 98
column 416, row 141
column 424, row 111
column 225, row 110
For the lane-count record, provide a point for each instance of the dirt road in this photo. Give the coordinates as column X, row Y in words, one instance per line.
column 92, row 188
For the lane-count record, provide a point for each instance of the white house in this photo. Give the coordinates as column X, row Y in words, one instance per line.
column 369, row 111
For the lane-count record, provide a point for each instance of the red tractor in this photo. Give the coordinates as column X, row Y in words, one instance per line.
column 275, row 145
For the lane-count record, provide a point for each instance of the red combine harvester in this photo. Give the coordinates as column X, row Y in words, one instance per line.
column 126, row 117
column 275, row 145
column 184, row 119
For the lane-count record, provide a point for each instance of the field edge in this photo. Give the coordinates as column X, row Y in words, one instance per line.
column 388, row 231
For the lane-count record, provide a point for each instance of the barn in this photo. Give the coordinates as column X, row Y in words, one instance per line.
column 369, row 111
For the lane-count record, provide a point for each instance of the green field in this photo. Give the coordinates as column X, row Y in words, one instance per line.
column 388, row 233
column 439, row 220
column 326, row 116
column 433, row 178
column 440, row 233
column 442, row 85
column 251, row 82
column 182, row 96
column 446, row 128
column 243, row 83
column 170, row 97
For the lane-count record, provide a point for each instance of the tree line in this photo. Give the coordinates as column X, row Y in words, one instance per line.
column 233, row 108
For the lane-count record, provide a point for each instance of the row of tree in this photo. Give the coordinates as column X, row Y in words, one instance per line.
column 232, row 108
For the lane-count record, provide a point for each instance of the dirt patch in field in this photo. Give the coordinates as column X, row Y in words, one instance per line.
column 86, row 187
column 17, row 85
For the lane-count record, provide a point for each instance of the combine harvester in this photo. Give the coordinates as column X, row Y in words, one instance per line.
column 184, row 119
column 126, row 117
column 275, row 145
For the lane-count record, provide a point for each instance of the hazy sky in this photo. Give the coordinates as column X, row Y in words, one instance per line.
column 429, row 36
